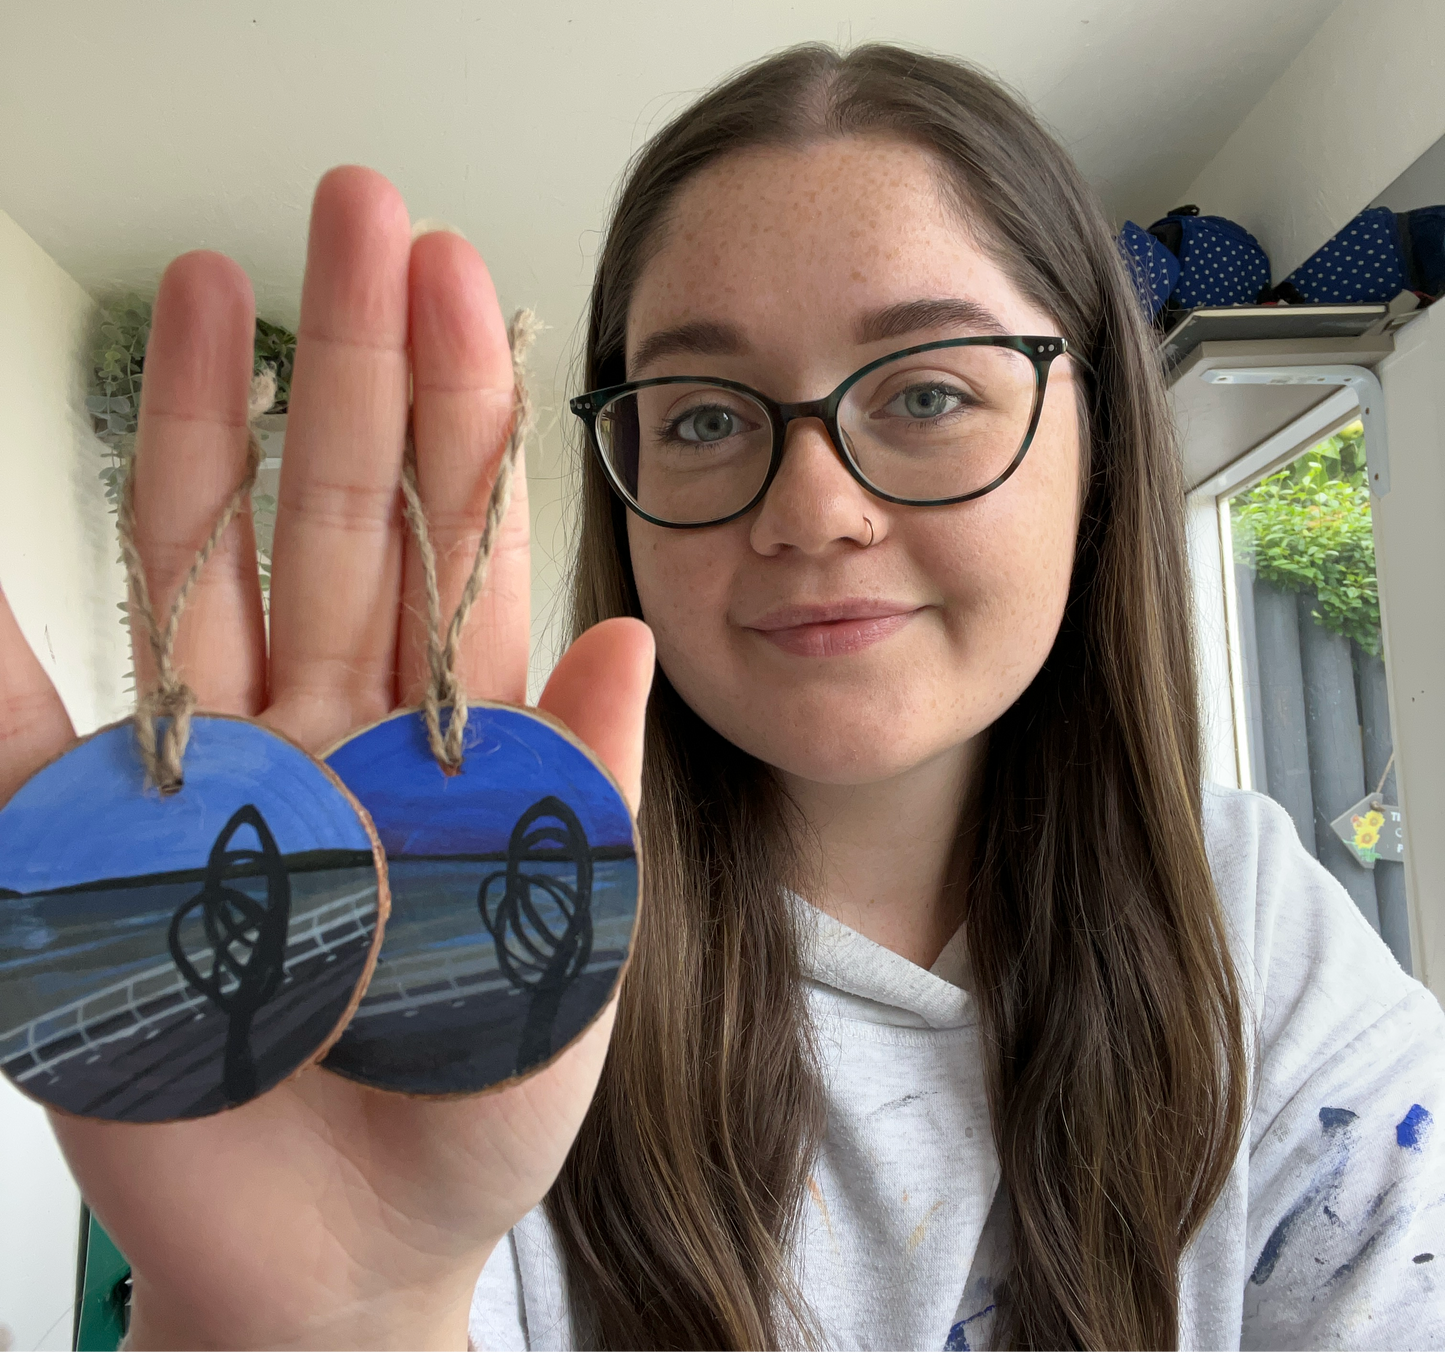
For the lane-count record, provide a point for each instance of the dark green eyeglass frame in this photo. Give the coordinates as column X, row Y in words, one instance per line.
column 1041, row 352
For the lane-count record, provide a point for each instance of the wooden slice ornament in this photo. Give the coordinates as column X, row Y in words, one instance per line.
column 511, row 854
column 190, row 905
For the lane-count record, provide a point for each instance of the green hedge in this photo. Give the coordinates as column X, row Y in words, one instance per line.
column 1307, row 529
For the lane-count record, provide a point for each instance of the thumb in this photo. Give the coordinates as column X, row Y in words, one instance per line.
column 599, row 690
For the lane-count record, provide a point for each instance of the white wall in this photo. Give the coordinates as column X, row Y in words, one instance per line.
column 1412, row 562
column 1359, row 104
column 1421, row 185
column 57, row 571
column 553, row 488
column 57, row 542
column 1410, row 553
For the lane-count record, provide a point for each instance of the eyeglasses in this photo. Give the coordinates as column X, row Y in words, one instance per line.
column 931, row 425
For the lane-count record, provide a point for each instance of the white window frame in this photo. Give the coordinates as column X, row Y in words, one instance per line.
column 1410, row 560
column 1225, row 708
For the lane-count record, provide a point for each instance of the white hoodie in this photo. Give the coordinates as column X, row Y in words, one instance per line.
column 1329, row 1233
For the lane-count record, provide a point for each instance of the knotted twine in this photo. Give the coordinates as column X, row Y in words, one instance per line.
column 172, row 699
column 444, row 686
column 1379, row 792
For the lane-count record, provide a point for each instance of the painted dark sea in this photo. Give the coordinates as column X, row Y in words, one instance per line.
column 164, row 958
column 96, row 1019
column 443, row 1013
column 513, row 897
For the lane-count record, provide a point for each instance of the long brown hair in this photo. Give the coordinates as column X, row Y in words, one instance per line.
column 1111, row 1019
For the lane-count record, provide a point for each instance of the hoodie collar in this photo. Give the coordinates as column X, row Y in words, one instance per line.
column 879, row 985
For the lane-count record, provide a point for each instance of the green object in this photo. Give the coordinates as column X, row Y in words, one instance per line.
column 116, row 372
column 276, row 348
column 1307, row 529
column 104, row 1303
column 117, row 366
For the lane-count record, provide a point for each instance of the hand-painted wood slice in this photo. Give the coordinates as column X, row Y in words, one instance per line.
column 514, row 889
column 168, row 957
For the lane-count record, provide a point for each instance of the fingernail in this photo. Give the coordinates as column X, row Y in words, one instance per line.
column 429, row 226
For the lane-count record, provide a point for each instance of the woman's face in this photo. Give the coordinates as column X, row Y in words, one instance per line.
column 833, row 659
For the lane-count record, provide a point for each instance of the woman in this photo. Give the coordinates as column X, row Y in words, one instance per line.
column 961, row 1015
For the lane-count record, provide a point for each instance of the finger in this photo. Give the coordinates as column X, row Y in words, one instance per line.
column 336, row 564
column 461, row 418
column 599, row 690
column 34, row 726
column 190, row 456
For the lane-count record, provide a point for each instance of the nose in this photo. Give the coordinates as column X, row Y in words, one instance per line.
column 814, row 503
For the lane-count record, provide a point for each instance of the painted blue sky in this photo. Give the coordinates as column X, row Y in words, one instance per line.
column 89, row 816
column 510, row 760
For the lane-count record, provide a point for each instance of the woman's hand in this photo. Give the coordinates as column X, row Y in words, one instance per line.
column 325, row 1213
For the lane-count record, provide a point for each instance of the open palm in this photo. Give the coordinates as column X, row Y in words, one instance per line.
column 325, row 1213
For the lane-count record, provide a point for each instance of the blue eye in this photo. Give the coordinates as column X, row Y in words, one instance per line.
column 706, row 425
column 923, row 402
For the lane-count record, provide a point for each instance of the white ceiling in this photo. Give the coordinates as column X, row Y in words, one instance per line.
column 129, row 133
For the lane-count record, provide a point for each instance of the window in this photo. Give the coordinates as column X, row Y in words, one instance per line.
column 1312, row 712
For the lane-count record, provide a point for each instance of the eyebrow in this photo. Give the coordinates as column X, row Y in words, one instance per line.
column 913, row 316
column 701, row 338
column 713, row 338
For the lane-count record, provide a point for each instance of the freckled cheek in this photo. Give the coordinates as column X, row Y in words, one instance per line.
column 1005, row 569
column 682, row 582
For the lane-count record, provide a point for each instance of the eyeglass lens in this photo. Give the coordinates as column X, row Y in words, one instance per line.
column 926, row 427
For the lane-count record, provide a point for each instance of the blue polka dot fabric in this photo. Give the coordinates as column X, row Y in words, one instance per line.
column 1422, row 236
column 1364, row 262
column 1220, row 263
column 1151, row 264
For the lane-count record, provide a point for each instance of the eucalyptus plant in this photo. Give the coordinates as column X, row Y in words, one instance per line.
column 117, row 368
column 114, row 395
column 1307, row 529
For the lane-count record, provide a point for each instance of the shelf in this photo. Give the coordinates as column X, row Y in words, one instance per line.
column 1219, row 423
column 1265, row 323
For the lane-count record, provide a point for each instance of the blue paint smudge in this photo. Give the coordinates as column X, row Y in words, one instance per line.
column 1411, row 1133
column 1390, row 1230
column 1363, row 1252
column 1274, row 1245
column 1378, row 1201
column 957, row 1338
column 1334, row 1123
column 894, row 1104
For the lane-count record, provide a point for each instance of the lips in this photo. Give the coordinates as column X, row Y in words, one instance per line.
column 833, row 629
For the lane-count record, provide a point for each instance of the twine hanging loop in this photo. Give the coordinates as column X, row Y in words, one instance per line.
column 444, row 687
column 1384, row 775
column 172, row 700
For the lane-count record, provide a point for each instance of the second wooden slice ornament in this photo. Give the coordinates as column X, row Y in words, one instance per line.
column 512, row 858
column 190, row 905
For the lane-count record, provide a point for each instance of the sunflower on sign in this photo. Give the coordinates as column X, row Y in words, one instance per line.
column 1367, row 833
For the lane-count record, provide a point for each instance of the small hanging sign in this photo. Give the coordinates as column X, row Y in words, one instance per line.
column 1373, row 831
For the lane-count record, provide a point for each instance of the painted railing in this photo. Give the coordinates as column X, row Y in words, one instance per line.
column 405, row 984
column 161, row 993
